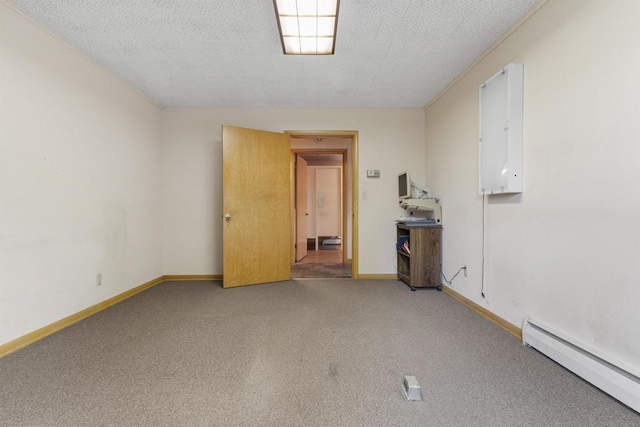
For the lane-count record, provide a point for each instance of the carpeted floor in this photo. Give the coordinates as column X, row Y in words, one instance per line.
column 297, row 353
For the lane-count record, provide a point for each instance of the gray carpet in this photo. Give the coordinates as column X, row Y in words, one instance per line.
column 299, row 353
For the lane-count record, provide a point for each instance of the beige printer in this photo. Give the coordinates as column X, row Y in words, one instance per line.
column 429, row 207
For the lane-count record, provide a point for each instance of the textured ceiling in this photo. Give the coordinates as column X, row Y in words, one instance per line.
column 227, row 53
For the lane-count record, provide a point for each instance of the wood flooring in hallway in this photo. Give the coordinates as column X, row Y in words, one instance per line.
column 321, row 264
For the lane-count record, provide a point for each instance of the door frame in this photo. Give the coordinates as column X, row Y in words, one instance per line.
column 354, row 184
column 343, row 179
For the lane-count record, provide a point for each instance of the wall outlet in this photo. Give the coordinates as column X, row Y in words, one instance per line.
column 98, row 279
column 466, row 274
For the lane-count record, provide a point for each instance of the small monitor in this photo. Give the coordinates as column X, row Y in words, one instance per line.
column 404, row 185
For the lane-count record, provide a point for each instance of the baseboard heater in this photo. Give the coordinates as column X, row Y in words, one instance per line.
column 611, row 376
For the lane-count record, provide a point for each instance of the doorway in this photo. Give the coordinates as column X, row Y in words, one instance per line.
column 324, row 222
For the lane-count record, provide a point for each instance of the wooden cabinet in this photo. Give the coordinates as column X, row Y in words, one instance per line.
column 421, row 267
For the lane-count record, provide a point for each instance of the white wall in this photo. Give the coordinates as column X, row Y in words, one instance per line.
column 566, row 250
column 389, row 140
column 80, row 181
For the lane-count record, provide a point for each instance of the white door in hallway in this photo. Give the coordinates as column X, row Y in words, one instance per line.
column 329, row 201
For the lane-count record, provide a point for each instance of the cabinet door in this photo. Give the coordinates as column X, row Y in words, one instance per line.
column 419, row 262
column 425, row 259
column 431, row 256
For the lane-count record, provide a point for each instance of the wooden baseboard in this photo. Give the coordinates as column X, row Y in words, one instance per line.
column 38, row 334
column 187, row 277
column 377, row 276
column 509, row 327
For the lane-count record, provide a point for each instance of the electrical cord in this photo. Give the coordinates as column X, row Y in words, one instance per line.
column 448, row 282
column 482, row 282
column 394, row 260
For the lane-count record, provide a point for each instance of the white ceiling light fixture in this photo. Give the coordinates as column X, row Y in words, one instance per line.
column 307, row 27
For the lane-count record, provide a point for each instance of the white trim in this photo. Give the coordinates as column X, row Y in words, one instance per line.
column 619, row 380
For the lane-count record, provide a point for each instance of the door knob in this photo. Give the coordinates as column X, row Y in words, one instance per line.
column 227, row 217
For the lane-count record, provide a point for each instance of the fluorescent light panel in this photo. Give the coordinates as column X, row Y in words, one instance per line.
column 307, row 27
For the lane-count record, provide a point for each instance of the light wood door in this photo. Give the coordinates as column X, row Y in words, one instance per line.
column 256, row 207
column 302, row 211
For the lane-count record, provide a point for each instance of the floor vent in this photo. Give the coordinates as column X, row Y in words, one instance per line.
column 610, row 376
column 411, row 388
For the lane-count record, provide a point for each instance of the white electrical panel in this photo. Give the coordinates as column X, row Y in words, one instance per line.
column 500, row 152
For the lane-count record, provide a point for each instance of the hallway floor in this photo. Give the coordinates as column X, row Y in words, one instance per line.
column 322, row 263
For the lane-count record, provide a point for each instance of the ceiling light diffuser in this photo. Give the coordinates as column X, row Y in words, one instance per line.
column 307, row 27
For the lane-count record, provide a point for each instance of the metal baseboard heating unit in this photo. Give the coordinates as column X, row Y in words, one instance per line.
column 611, row 376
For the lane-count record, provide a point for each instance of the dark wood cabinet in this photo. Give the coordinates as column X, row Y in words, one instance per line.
column 421, row 267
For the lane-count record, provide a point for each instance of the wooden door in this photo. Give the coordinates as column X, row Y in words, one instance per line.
column 256, row 207
column 302, row 211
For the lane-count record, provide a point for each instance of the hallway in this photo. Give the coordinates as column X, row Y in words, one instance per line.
column 321, row 263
